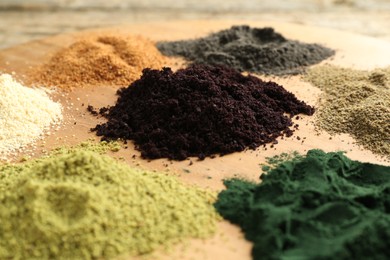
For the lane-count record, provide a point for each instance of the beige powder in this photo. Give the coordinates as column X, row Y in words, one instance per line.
column 25, row 114
column 355, row 102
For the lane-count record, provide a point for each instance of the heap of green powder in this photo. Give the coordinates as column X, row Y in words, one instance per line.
column 78, row 204
column 321, row 206
column 355, row 102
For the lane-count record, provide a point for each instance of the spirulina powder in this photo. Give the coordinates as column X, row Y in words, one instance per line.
column 321, row 206
column 77, row 204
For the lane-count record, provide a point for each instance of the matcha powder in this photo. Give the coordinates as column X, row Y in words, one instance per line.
column 82, row 205
column 355, row 102
column 321, row 206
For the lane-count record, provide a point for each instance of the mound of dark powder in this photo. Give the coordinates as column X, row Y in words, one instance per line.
column 199, row 111
column 258, row 50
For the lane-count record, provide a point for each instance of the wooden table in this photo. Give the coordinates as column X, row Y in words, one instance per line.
column 352, row 51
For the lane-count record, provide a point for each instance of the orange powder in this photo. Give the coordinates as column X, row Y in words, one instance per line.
column 98, row 60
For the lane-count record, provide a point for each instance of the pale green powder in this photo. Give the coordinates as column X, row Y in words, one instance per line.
column 77, row 204
column 355, row 102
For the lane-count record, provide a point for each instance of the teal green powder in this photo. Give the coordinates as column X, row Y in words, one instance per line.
column 322, row 206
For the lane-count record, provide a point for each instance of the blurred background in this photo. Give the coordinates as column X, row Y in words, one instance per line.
column 25, row 20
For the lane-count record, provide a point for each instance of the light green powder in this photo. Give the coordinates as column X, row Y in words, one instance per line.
column 355, row 102
column 77, row 204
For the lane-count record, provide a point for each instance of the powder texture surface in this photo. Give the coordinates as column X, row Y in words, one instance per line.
column 321, row 206
column 355, row 102
column 78, row 204
column 99, row 59
column 259, row 50
column 25, row 114
column 200, row 111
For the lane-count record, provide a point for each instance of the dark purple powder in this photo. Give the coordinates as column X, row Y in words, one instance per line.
column 199, row 111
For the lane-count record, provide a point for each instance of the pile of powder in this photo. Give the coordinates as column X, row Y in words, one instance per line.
column 96, row 60
column 25, row 113
column 355, row 102
column 322, row 206
column 199, row 111
column 83, row 205
column 259, row 50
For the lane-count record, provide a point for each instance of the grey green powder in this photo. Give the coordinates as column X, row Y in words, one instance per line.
column 78, row 204
column 355, row 102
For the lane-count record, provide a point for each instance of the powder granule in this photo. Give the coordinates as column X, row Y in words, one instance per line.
column 77, row 204
column 25, row 113
column 355, row 102
column 99, row 59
